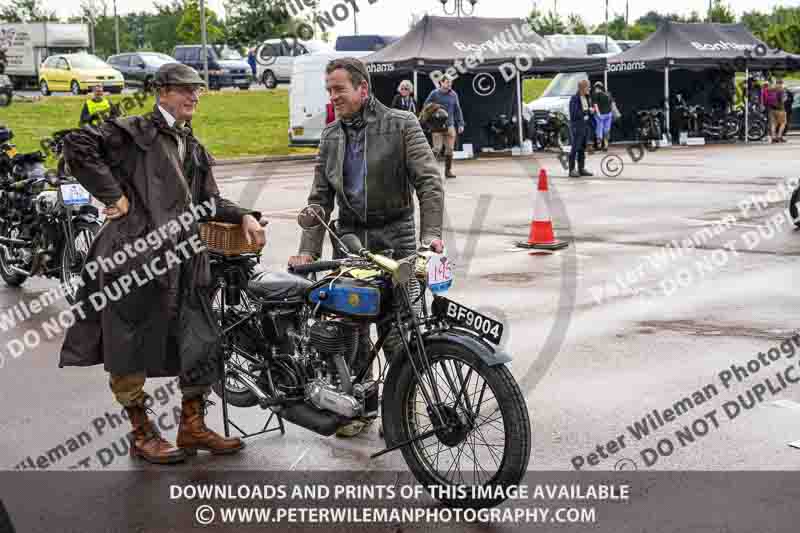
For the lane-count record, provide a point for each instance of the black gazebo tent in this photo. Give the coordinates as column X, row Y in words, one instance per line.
column 490, row 57
column 696, row 47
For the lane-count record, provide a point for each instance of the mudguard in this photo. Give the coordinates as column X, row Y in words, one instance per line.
column 489, row 354
column 88, row 214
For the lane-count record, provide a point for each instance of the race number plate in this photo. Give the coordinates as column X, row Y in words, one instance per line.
column 75, row 194
column 440, row 275
column 455, row 313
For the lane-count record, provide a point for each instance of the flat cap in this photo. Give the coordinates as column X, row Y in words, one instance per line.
column 177, row 74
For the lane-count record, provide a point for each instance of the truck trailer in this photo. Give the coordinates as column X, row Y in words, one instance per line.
column 26, row 46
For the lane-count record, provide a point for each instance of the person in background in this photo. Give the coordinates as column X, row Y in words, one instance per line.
column 404, row 99
column 448, row 99
column 603, row 117
column 788, row 108
column 330, row 113
column 251, row 60
column 97, row 108
column 776, row 101
column 580, row 113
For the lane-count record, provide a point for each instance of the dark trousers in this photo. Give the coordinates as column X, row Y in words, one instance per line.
column 580, row 136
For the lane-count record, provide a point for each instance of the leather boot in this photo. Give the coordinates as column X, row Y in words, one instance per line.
column 448, row 167
column 146, row 441
column 193, row 434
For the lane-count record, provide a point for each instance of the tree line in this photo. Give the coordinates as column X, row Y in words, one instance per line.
column 778, row 29
column 249, row 22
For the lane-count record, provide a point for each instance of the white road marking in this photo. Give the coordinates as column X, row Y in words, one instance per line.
column 297, row 461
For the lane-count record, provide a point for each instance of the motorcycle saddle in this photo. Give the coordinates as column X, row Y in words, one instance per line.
column 278, row 286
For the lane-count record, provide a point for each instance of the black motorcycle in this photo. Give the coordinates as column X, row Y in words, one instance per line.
column 649, row 124
column 756, row 123
column 46, row 221
column 302, row 349
column 549, row 129
column 6, row 91
column 719, row 124
column 502, row 132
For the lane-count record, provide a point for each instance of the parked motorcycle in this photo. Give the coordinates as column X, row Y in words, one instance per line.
column 302, row 349
column 756, row 123
column 549, row 129
column 6, row 91
column 649, row 124
column 718, row 124
column 46, row 221
column 502, row 132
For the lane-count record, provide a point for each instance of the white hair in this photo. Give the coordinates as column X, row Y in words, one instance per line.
column 407, row 84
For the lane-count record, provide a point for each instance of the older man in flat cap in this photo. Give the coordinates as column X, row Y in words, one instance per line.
column 149, row 171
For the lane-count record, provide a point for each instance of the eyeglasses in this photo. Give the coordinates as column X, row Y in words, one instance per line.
column 188, row 90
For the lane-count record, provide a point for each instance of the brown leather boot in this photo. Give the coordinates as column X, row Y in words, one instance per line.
column 448, row 167
column 146, row 441
column 193, row 434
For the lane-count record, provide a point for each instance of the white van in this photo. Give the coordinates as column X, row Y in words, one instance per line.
column 557, row 94
column 308, row 97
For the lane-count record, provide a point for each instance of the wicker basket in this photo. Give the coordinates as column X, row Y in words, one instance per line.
column 226, row 239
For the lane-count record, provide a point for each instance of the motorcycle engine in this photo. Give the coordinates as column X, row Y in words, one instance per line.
column 336, row 342
column 46, row 202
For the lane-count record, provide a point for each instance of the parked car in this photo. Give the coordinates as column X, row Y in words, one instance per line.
column 308, row 98
column 275, row 58
column 227, row 69
column 139, row 68
column 363, row 43
column 627, row 45
column 78, row 73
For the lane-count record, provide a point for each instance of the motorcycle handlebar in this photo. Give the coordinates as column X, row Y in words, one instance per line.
column 311, row 268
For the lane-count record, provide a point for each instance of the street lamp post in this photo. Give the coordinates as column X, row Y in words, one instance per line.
column 204, row 39
column 459, row 7
column 116, row 26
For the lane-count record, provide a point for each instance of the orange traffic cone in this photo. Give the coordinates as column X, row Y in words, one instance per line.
column 541, row 236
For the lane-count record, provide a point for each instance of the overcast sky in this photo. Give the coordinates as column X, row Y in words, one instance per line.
column 391, row 17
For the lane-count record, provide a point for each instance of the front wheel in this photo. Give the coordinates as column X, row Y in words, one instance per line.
column 75, row 88
column 757, row 131
column 488, row 441
column 269, row 80
column 73, row 257
column 11, row 257
column 563, row 137
column 793, row 208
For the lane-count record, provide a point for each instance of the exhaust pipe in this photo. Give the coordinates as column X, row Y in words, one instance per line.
column 15, row 243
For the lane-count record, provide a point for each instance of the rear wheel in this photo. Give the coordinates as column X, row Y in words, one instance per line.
column 247, row 337
column 793, row 208
column 73, row 257
column 757, row 131
column 12, row 257
column 269, row 80
column 75, row 88
column 44, row 88
column 5, row 99
column 563, row 137
column 488, row 442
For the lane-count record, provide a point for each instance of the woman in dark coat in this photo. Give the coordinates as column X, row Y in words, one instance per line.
column 404, row 99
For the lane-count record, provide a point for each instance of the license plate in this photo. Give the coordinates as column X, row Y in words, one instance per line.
column 75, row 194
column 298, row 131
column 455, row 313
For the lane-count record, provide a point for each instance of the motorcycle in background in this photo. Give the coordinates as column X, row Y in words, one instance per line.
column 549, row 129
column 649, row 124
column 47, row 222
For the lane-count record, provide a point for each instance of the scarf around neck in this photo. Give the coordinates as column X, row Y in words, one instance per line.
column 356, row 121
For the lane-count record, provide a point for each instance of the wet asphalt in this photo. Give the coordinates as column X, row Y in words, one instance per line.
column 592, row 356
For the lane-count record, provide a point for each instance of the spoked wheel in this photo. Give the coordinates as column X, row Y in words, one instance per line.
column 487, row 442
column 793, row 208
column 9, row 257
column 73, row 257
column 247, row 337
column 563, row 137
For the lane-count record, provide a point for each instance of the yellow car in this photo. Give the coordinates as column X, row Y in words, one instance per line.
column 78, row 73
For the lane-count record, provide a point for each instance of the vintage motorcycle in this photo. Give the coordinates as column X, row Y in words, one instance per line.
column 302, row 349
column 549, row 129
column 46, row 221
column 649, row 124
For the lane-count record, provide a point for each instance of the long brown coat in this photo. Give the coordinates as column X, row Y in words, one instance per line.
column 138, row 157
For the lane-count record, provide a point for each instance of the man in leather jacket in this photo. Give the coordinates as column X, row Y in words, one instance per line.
column 371, row 160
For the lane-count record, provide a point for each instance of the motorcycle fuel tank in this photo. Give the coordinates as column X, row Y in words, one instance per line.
column 348, row 297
